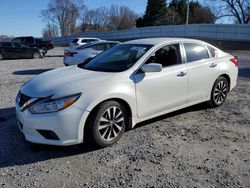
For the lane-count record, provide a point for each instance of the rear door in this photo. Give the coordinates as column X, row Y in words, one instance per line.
column 23, row 51
column 160, row 91
column 202, row 71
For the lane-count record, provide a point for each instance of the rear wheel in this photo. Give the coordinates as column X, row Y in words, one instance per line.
column 1, row 56
column 36, row 55
column 44, row 50
column 219, row 92
column 107, row 123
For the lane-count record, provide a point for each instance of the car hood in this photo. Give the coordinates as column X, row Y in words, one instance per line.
column 62, row 81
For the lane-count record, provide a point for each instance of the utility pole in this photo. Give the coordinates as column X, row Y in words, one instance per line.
column 187, row 18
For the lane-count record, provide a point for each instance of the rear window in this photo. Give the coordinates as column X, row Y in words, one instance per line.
column 75, row 41
column 195, row 52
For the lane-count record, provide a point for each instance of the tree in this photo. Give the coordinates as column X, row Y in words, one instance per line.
column 94, row 19
column 121, row 17
column 63, row 14
column 106, row 19
column 197, row 14
column 50, row 31
column 156, row 14
column 239, row 10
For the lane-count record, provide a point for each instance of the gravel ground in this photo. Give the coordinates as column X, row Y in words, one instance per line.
column 194, row 147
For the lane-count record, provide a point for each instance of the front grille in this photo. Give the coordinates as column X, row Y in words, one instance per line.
column 23, row 99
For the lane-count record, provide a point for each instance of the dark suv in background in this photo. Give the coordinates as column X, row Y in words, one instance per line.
column 42, row 45
column 17, row 50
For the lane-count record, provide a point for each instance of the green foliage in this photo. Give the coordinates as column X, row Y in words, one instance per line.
column 159, row 13
column 156, row 14
column 198, row 13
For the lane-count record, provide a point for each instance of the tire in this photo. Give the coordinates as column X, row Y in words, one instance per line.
column 1, row 56
column 219, row 92
column 36, row 55
column 107, row 123
column 44, row 49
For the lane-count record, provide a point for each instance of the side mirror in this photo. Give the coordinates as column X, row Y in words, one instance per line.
column 151, row 67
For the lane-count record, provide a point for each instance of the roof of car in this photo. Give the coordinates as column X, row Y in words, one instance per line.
column 155, row 41
column 98, row 42
column 80, row 38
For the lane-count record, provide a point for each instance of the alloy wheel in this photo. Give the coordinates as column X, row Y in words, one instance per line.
column 111, row 123
column 220, row 92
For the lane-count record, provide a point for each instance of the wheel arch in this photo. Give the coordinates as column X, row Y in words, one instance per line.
column 93, row 110
column 227, row 77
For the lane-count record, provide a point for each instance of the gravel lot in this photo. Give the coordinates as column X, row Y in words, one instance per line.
column 194, row 147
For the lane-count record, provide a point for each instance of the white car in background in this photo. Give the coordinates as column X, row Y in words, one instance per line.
column 86, row 52
column 81, row 41
column 127, row 84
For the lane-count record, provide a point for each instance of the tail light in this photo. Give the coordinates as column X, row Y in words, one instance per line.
column 70, row 54
column 234, row 60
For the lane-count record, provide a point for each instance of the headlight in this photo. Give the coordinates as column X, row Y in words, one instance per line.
column 53, row 105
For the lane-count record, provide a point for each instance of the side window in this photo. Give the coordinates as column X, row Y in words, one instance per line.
column 85, row 41
column 167, row 56
column 195, row 52
column 92, row 40
column 29, row 39
column 16, row 40
column 212, row 50
column 17, row 45
column 99, row 47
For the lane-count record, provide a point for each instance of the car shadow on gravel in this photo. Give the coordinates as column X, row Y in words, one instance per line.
column 54, row 55
column 244, row 72
column 14, row 150
column 30, row 72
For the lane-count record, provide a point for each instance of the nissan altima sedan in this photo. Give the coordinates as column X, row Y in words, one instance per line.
column 127, row 84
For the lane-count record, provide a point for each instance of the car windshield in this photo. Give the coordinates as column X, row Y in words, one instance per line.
column 117, row 59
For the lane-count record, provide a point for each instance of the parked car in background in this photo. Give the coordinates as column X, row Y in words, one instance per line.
column 17, row 50
column 42, row 45
column 127, row 84
column 85, row 52
column 81, row 41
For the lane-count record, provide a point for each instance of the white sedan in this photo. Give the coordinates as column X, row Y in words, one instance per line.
column 81, row 41
column 83, row 53
column 127, row 84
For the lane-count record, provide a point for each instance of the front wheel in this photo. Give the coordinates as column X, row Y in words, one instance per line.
column 219, row 92
column 1, row 56
column 107, row 123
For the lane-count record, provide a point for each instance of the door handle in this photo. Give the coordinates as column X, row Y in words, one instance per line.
column 181, row 74
column 213, row 65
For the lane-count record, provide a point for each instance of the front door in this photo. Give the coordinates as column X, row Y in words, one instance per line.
column 160, row 91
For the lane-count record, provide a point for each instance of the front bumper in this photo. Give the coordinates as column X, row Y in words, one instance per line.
column 68, row 125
